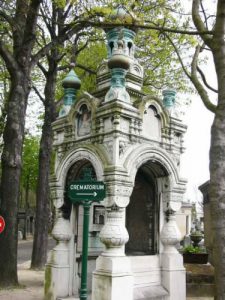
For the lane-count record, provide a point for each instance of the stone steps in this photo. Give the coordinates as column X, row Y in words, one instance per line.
column 200, row 280
column 156, row 292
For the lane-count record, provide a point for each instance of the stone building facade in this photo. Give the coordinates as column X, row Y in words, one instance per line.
column 133, row 143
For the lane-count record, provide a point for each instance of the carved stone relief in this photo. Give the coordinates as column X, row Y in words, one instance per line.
column 83, row 121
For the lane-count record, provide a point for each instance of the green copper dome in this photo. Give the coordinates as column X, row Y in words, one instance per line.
column 71, row 80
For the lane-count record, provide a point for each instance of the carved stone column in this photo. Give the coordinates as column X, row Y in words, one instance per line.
column 57, row 268
column 112, row 279
column 173, row 272
column 114, row 235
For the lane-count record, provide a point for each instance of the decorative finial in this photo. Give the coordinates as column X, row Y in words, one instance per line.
column 169, row 98
column 71, row 80
column 71, row 84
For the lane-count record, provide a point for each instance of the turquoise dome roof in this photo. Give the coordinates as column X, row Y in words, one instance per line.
column 71, row 80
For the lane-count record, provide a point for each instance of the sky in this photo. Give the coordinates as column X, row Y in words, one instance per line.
column 195, row 160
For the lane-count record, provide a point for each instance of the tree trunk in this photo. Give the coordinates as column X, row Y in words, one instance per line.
column 26, row 205
column 10, row 181
column 217, row 200
column 217, row 171
column 39, row 253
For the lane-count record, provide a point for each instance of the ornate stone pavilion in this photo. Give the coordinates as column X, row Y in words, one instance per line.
column 133, row 143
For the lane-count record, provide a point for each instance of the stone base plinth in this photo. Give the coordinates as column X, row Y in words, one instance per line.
column 174, row 276
column 112, row 279
column 56, row 281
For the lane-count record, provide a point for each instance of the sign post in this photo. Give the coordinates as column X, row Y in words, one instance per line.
column 85, row 192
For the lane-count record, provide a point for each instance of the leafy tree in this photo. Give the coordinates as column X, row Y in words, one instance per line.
column 18, row 30
column 30, row 165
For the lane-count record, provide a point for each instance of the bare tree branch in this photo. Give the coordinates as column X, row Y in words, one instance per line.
column 43, row 13
column 204, row 14
column 41, row 53
column 134, row 26
column 205, row 81
column 179, row 57
column 86, row 69
column 10, row 62
column 38, row 94
column 193, row 76
column 199, row 87
column 67, row 11
column 200, row 26
column 43, row 70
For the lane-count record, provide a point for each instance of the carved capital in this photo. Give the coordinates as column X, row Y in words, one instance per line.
column 62, row 231
column 114, row 234
column 170, row 234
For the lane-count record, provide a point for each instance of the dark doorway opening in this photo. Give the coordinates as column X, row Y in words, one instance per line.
column 142, row 216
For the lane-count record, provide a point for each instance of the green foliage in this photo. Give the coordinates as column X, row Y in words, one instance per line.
column 30, row 162
column 192, row 249
column 90, row 58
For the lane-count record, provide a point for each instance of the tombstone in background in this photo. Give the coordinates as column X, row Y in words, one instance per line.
column 209, row 232
column 133, row 143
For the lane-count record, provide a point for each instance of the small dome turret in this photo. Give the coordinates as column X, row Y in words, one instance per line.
column 71, row 81
column 71, row 84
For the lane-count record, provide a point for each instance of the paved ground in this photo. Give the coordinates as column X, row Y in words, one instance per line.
column 32, row 287
column 25, row 249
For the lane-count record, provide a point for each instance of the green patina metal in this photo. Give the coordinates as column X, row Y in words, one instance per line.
column 71, row 80
column 113, row 35
column 119, row 63
column 169, row 98
column 85, row 200
column 71, row 84
column 118, row 78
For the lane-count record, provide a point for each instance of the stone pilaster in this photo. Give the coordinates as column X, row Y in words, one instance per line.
column 173, row 272
column 112, row 279
column 57, row 268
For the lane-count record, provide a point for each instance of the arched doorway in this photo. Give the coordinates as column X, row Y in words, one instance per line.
column 142, row 213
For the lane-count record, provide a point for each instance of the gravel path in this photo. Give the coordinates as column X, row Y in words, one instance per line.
column 32, row 285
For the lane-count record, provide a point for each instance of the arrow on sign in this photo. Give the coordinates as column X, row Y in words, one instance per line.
column 87, row 194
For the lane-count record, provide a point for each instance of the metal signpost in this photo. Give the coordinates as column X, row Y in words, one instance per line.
column 85, row 192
